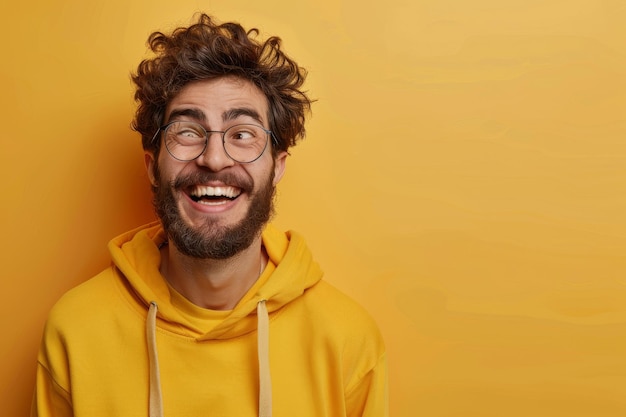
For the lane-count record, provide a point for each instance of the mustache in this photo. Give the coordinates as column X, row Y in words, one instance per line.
column 230, row 178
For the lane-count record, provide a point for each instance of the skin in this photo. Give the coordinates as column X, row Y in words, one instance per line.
column 216, row 284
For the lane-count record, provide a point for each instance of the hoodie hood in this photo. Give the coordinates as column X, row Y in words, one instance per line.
column 136, row 254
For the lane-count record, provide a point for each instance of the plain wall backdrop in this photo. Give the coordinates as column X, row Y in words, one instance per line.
column 463, row 177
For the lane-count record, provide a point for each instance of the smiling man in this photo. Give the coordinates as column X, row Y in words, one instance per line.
column 211, row 310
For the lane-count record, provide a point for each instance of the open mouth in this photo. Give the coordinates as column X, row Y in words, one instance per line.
column 204, row 194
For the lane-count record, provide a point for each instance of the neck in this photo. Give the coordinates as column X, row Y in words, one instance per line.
column 216, row 284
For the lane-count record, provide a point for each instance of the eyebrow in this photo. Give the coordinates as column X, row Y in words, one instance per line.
column 237, row 112
column 192, row 113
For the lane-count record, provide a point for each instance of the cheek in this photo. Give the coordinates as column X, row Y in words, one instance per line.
column 166, row 169
column 269, row 172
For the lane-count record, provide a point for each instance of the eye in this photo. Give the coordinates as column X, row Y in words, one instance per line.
column 243, row 133
column 189, row 132
column 185, row 133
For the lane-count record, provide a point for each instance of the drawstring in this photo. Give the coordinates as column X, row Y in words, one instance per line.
column 156, row 402
column 265, row 379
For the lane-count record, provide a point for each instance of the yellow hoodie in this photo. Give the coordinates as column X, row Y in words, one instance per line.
column 126, row 344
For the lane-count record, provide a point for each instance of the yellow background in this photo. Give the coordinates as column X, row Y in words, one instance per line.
column 464, row 178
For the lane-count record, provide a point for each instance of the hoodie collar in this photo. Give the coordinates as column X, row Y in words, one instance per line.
column 136, row 254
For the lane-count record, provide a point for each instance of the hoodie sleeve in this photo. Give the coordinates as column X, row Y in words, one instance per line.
column 50, row 399
column 369, row 398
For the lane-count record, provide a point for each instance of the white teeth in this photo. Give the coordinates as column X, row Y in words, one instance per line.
column 202, row 190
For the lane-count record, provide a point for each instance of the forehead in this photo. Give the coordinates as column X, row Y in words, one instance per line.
column 218, row 97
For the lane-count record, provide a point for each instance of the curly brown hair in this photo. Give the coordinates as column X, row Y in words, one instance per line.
column 207, row 50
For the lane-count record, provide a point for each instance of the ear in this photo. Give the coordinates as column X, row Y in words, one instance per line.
column 150, row 164
column 279, row 166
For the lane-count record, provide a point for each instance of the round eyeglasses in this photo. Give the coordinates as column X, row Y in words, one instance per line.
column 186, row 141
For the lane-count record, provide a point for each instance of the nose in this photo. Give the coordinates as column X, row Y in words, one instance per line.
column 214, row 156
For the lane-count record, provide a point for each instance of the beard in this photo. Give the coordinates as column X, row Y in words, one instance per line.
column 212, row 240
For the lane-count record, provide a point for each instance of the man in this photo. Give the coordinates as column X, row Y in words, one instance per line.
column 211, row 311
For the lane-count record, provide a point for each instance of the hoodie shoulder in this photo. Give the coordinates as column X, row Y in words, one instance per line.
column 82, row 302
column 335, row 306
column 342, row 322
